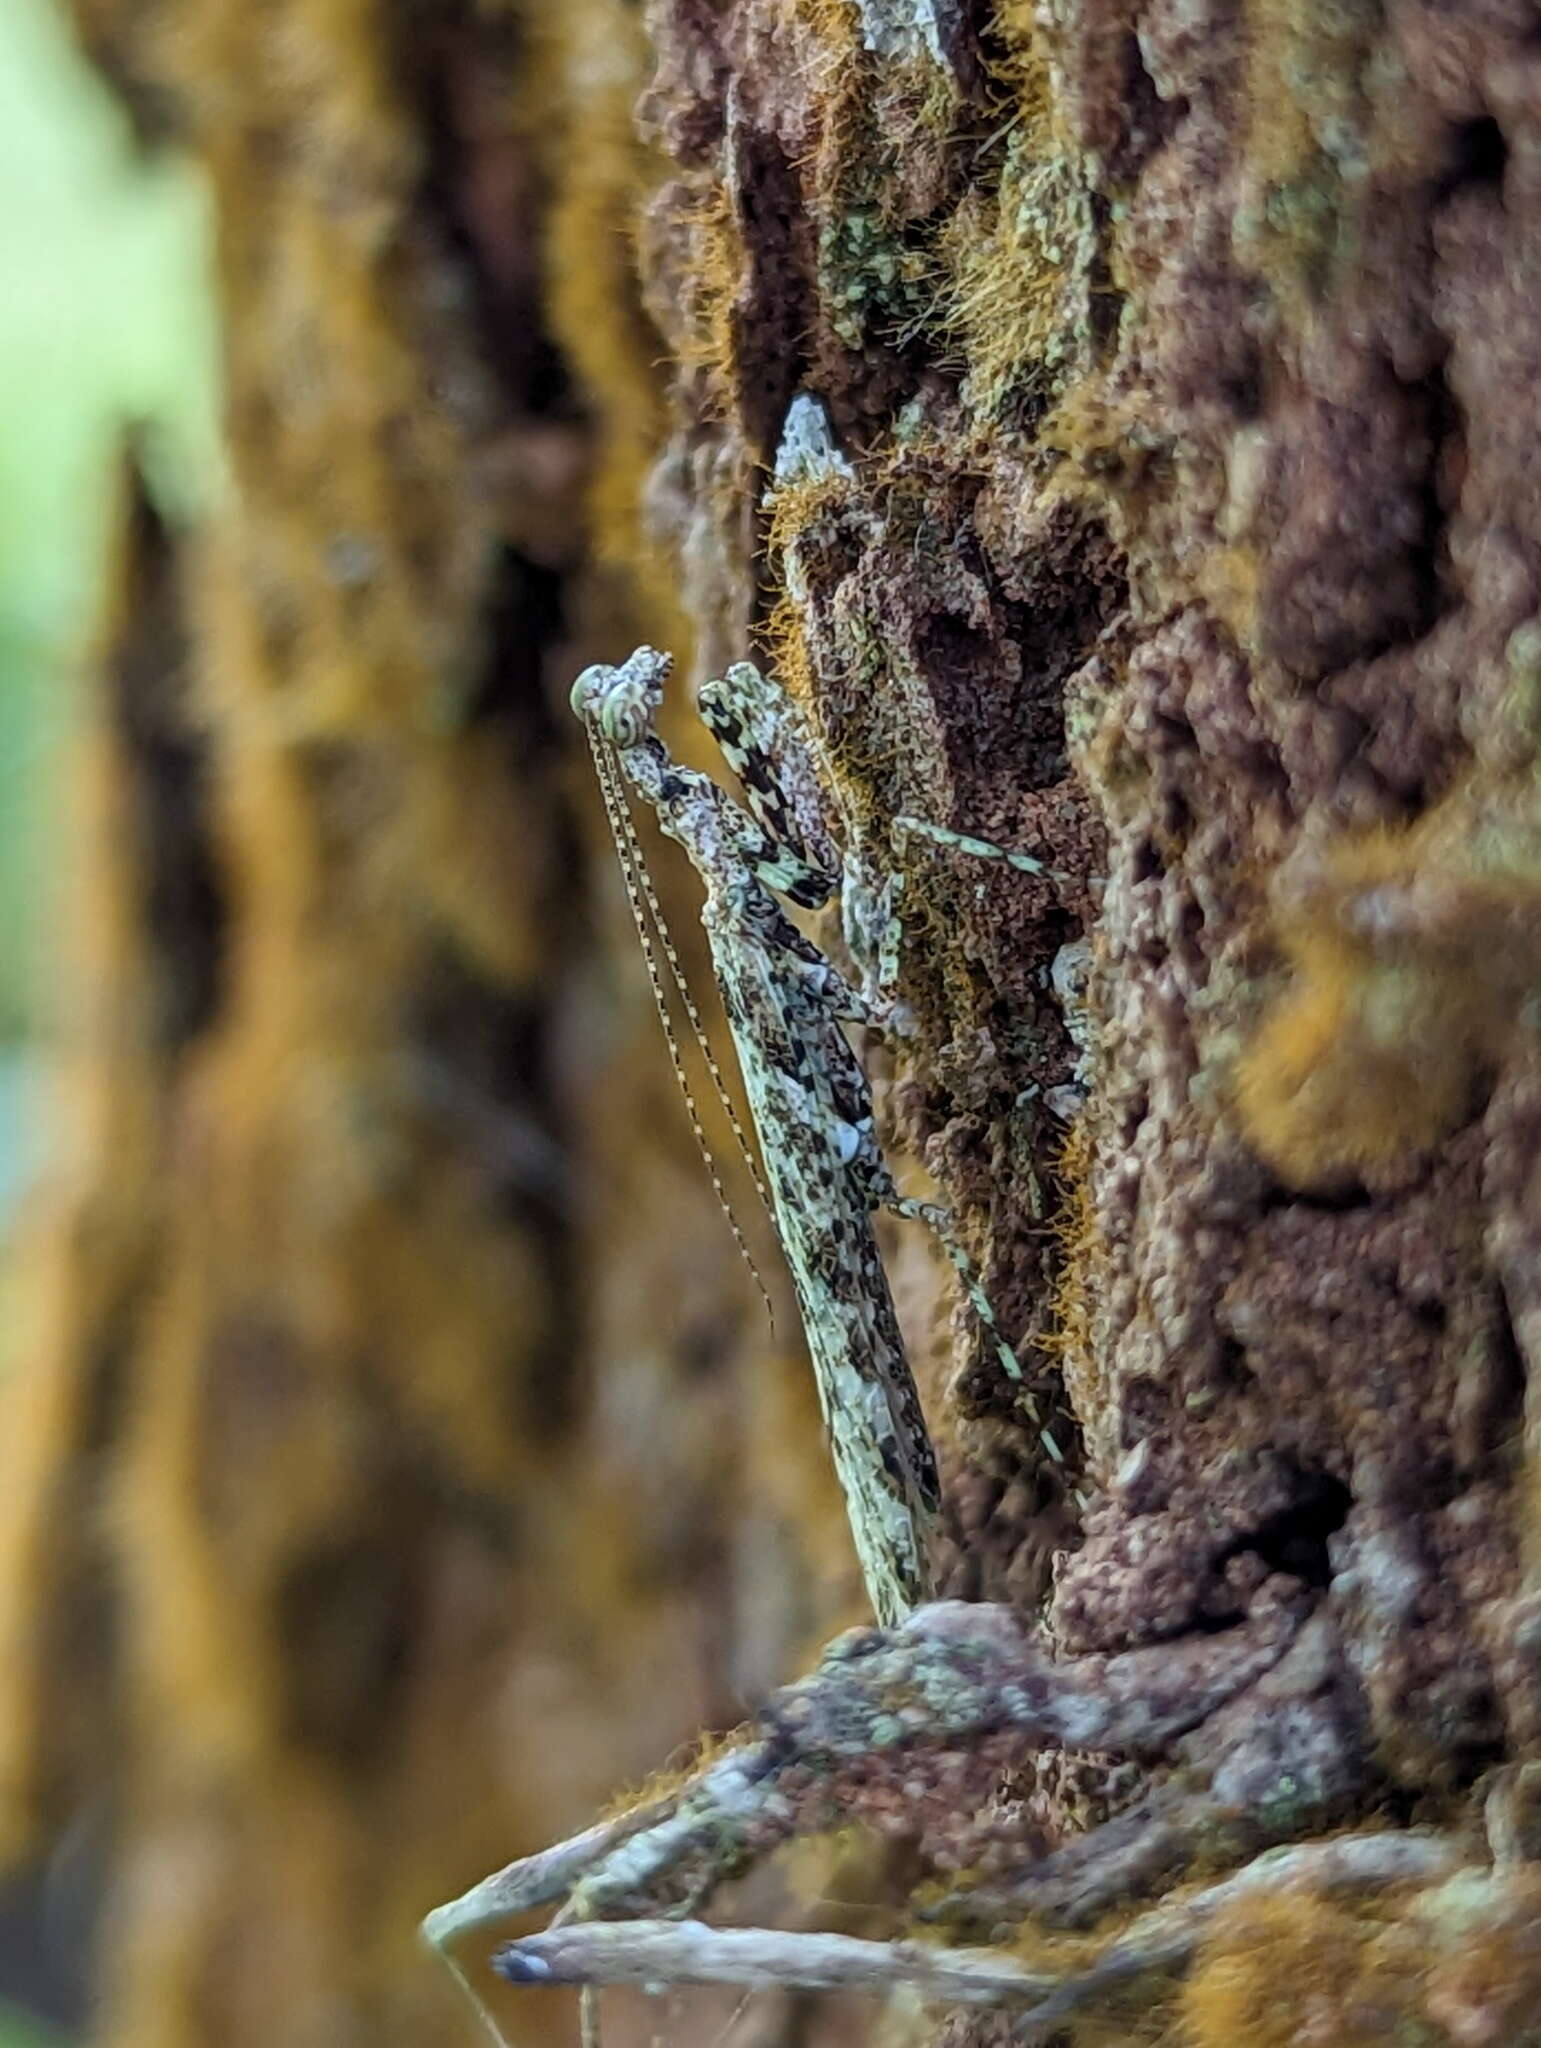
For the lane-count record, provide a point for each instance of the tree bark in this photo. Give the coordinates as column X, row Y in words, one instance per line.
column 401, row 1462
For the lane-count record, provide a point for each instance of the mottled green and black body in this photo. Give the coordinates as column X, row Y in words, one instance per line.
column 806, row 1088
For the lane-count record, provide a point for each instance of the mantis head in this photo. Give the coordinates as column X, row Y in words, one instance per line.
column 621, row 704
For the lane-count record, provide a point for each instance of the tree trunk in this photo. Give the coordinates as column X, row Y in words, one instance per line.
column 402, row 1462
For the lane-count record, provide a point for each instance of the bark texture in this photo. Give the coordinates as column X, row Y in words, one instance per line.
column 401, row 1463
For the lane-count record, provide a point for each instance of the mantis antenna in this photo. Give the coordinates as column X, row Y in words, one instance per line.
column 647, row 916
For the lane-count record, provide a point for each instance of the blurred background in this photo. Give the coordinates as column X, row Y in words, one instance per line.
column 106, row 324
column 107, row 320
column 394, row 1460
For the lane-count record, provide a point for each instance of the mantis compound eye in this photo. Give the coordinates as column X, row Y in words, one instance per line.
column 625, row 717
column 588, row 692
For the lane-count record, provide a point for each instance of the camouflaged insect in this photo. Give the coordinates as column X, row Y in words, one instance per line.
column 807, row 1092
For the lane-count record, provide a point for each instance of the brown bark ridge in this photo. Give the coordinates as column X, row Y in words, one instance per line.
column 1118, row 421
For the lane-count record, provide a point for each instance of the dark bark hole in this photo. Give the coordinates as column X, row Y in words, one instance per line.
column 1173, row 734
column 1244, row 388
column 1145, row 1411
column 1295, row 1540
column 1177, row 816
column 1480, row 154
column 1328, row 1201
column 1145, row 863
column 1134, row 1115
column 1106, row 302
column 1429, row 557
column 772, row 323
column 1509, row 1371
column 1231, row 1366
column 962, row 670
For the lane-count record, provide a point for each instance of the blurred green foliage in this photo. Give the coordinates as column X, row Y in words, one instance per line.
column 16, row 2031
column 106, row 322
column 106, row 319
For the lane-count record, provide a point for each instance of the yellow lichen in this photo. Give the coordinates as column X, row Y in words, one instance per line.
column 1068, row 1335
column 1293, row 1968
column 711, row 279
column 1410, row 954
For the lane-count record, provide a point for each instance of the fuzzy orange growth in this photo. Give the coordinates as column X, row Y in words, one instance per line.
column 1299, row 1971
column 1413, row 953
column 827, row 35
column 677, row 1771
column 783, row 646
column 1068, row 1337
column 797, row 503
column 794, row 506
column 704, row 327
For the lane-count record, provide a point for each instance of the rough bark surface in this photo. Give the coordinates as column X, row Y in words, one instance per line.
column 1164, row 504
